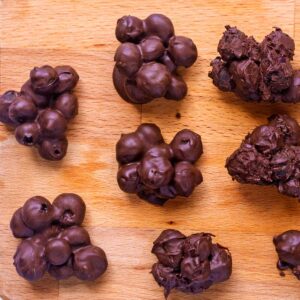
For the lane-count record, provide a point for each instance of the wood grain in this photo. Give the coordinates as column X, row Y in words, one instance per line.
column 244, row 218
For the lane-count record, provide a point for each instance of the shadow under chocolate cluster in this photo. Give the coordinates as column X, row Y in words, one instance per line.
column 189, row 264
column 257, row 71
column 270, row 155
column 148, row 58
column 40, row 112
column 287, row 247
column 157, row 171
column 53, row 240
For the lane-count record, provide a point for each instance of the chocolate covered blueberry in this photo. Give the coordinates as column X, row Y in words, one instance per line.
column 157, row 171
column 148, row 58
column 259, row 72
column 189, row 264
column 41, row 111
column 53, row 240
column 270, row 155
column 287, row 245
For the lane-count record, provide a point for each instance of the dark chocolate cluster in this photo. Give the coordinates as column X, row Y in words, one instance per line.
column 157, row 171
column 40, row 112
column 270, row 155
column 189, row 264
column 148, row 59
column 53, row 240
column 257, row 71
column 287, row 246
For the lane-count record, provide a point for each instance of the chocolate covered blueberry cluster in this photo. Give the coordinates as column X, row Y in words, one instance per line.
column 53, row 240
column 157, row 171
column 270, row 155
column 189, row 264
column 287, row 247
column 148, row 59
column 40, row 112
column 257, row 71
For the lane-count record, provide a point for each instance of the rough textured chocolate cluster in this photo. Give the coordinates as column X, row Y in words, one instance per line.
column 270, row 155
column 53, row 240
column 154, row 170
column 287, row 246
column 148, row 58
column 40, row 112
column 257, row 72
column 189, row 264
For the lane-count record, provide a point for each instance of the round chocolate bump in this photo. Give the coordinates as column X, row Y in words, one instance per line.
column 41, row 101
column 44, row 79
column 129, row 29
column 198, row 244
column 67, row 79
column 182, row 51
column 67, row 105
column 150, row 134
column 30, row 261
column 76, row 236
column 159, row 25
column 187, row 145
column 37, row 213
column 177, row 89
column 18, row 227
column 57, row 251
column 186, row 178
column 5, row 101
column 62, row 272
column 154, row 79
column 90, row 262
column 22, row 110
column 53, row 149
column 167, row 61
column 128, row 59
column 155, row 172
column 129, row 148
column 28, row 134
column 152, row 48
column 52, row 123
column 128, row 178
column 69, row 209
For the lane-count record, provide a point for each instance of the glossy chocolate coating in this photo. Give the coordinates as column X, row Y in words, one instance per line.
column 157, row 171
column 147, row 60
column 53, row 240
column 189, row 264
column 287, row 245
column 259, row 72
column 270, row 155
column 41, row 111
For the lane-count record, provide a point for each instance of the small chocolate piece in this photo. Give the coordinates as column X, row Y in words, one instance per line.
column 69, row 209
column 147, row 60
column 90, row 262
column 270, row 155
column 189, row 264
column 53, row 241
column 41, row 111
column 154, row 170
column 287, row 246
column 256, row 71
column 37, row 213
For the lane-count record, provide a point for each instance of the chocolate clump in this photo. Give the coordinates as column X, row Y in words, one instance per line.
column 157, row 171
column 53, row 240
column 259, row 72
column 270, row 155
column 189, row 264
column 148, row 59
column 287, row 246
column 40, row 112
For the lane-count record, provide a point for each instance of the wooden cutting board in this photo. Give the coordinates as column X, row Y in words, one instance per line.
column 244, row 218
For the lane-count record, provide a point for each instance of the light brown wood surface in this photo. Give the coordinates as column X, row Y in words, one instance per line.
column 243, row 217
